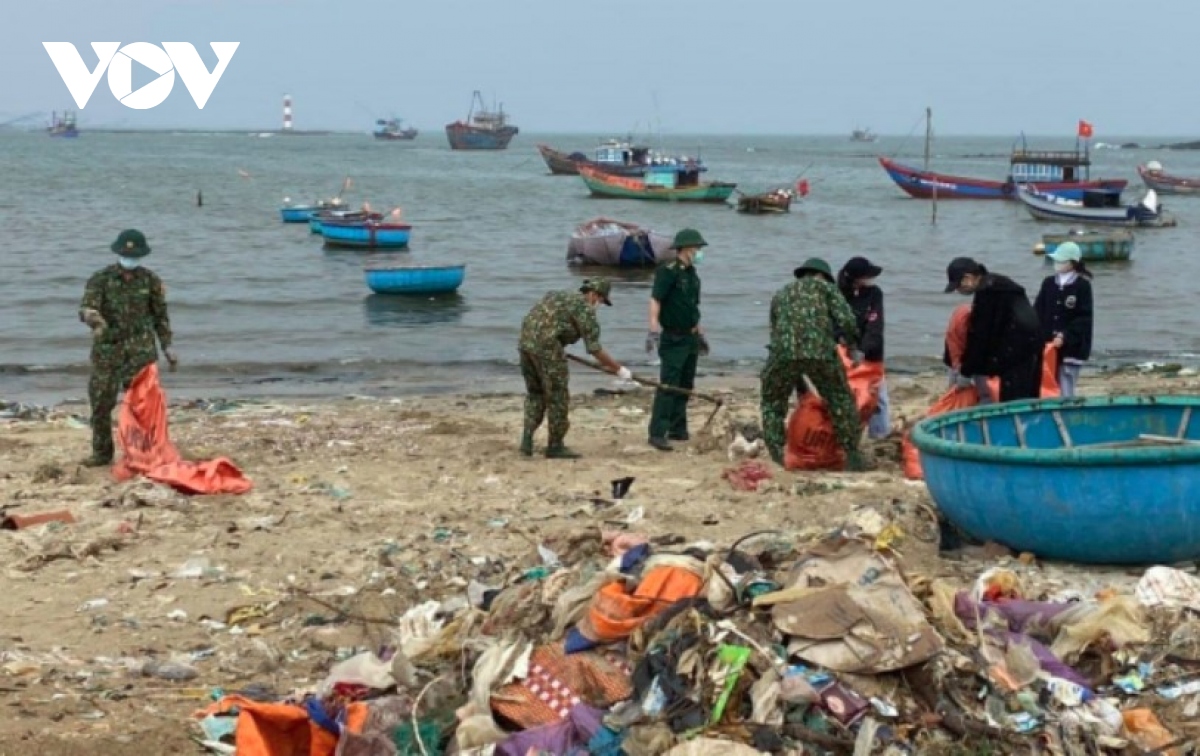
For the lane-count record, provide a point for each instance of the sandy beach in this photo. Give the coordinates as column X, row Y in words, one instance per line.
column 362, row 508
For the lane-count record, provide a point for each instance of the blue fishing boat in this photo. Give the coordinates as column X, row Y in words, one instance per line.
column 483, row 130
column 297, row 213
column 316, row 218
column 365, row 234
column 390, row 278
column 1099, row 480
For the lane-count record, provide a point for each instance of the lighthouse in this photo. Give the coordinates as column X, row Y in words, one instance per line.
column 287, row 114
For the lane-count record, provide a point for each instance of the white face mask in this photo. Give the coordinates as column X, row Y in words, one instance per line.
column 129, row 263
column 1064, row 267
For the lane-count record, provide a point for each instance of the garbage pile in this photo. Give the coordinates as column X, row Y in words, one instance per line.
column 619, row 643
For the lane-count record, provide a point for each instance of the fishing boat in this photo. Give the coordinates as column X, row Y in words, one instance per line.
column 392, row 278
column 863, row 135
column 1096, row 246
column 613, row 243
column 1154, row 178
column 483, row 130
column 63, row 127
column 768, row 203
column 365, row 234
column 1097, row 208
column 292, row 213
column 618, row 158
column 392, row 130
column 1099, row 480
column 659, row 183
column 318, row 216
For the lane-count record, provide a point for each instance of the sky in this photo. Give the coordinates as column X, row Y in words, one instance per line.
column 665, row 66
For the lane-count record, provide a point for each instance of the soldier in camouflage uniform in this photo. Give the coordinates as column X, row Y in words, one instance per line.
column 125, row 306
column 805, row 316
column 559, row 319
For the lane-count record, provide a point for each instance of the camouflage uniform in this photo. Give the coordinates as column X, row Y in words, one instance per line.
column 805, row 315
column 133, row 304
column 559, row 319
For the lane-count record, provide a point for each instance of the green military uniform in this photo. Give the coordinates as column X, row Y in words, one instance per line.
column 677, row 289
column 127, row 309
column 805, row 316
column 559, row 319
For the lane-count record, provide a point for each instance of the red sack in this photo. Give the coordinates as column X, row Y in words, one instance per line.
column 954, row 399
column 864, row 383
column 1050, row 387
column 147, row 449
column 811, row 442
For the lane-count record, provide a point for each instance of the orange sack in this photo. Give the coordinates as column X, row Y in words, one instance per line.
column 147, row 449
column 952, row 400
column 1050, row 388
column 811, row 442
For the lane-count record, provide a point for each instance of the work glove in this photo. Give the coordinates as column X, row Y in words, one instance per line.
column 625, row 374
column 963, row 381
column 703, row 344
column 172, row 360
column 856, row 357
column 652, row 338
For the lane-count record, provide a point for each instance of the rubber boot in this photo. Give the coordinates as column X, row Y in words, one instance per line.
column 526, row 447
column 857, row 462
column 776, row 456
column 94, row 461
column 559, row 451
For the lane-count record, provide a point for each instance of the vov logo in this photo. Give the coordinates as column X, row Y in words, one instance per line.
column 164, row 61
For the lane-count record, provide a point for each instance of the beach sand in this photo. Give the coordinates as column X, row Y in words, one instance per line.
column 361, row 506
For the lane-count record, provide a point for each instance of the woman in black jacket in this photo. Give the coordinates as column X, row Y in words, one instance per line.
column 857, row 282
column 1064, row 307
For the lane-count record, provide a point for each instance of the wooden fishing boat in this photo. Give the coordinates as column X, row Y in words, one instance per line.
column 365, row 234
column 618, row 158
column 1096, row 246
column 1101, row 480
column 483, row 130
column 390, row 278
column 663, row 185
column 1154, row 178
column 773, row 202
column 1097, row 208
column 316, row 218
column 613, row 243
column 922, row 184
column 392, row 130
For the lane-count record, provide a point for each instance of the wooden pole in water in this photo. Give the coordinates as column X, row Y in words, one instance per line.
column 928, row 138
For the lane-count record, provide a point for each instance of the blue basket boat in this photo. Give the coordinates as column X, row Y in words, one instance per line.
column 1100, row 480
column 415, row 279
column 365, row 234
column 297, row 213
column 317, row 218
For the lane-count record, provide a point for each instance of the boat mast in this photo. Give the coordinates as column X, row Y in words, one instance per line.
column 928, row 137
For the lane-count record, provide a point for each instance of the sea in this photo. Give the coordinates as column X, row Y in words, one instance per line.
column 261, row 307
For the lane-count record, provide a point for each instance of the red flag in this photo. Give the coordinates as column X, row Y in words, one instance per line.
column 802, row 187
column 1085, row 130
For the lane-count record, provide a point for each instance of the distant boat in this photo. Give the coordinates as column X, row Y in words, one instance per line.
column 483, row 129
column 663, row 184
column 1095, row 246
column 863, row 135
column 1154, row 178
column 620, row 158
column 767, row 203
column 391, row 130
column 608, row 242
column 63, row 127
column 365, row 234
column 1054, row 173
column 420, row 280
column 1097, row 208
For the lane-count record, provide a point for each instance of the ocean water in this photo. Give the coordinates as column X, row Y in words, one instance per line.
column 257, row 305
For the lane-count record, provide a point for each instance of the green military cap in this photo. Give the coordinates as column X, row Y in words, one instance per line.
column 688, row 238
column 599, row 285
column 814, row 265
column 131, row 243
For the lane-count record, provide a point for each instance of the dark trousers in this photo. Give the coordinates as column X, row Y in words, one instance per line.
column 679, row 354
column 1022, row 380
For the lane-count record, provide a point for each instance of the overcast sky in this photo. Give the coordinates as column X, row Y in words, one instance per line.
column 699, row 66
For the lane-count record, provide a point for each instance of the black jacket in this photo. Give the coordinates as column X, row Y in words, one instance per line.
column 867, row 304
column 1067, row 310
column 1004, row 333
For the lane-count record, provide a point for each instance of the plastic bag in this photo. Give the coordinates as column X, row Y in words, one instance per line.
column 811, row 441
column 1050, row 388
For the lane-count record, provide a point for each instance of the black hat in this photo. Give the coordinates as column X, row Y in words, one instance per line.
column 860, row 267
column 959, row 267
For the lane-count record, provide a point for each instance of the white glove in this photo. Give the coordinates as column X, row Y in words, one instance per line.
column 625, row 374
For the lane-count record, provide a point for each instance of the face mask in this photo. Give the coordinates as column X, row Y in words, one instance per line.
column 1064, row 267
column 696, row 258
column 129, row 263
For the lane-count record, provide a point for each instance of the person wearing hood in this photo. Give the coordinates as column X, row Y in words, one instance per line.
column 1004, row 334
column 856, row 280
column 1064, row 307
column 125, row 306
column 807, row 317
